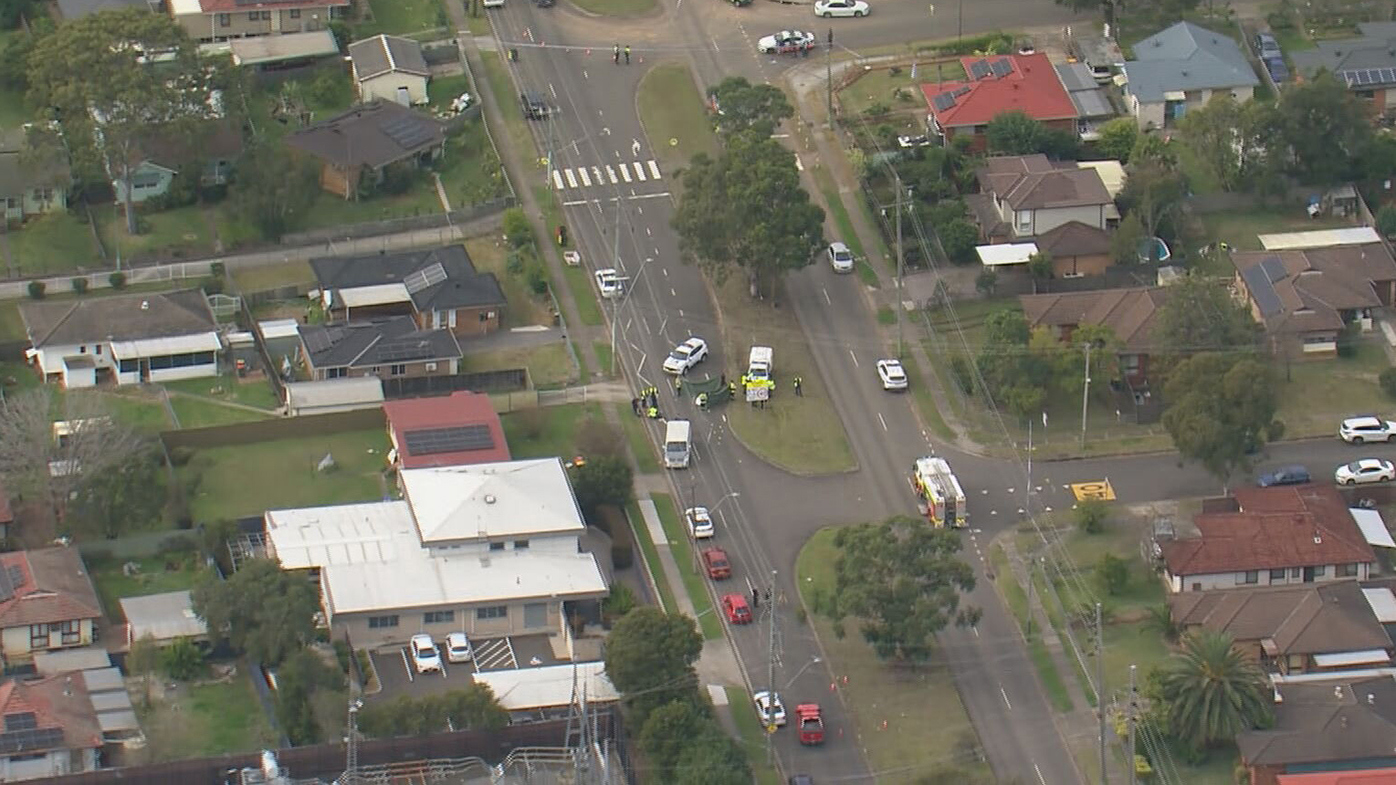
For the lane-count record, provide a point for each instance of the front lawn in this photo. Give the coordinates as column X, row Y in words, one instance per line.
column 178, row 233
column 893, row 90
column 51, row 244
column 470, row 170
column 549, row 366
column 401, row 17
column 1314, row 395
column 489, row 255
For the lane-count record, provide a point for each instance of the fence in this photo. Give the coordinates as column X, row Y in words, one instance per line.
column 1016, row 282
column 483, row 381
column 292, row 292
column 396, row 225
column 274, row 430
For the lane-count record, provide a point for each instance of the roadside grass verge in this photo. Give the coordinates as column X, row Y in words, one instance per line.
column 640, row 444
column 603, row 357
column 845, row 233
column 642, row 536
column 621, row 8
column 686, row 556
column 672, row 110
column 751, row 735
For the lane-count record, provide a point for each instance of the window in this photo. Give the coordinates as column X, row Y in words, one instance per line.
column 382, row 622
column 1320, row 570
column 266, row 16
column 1024, row 218
column 451, row 319
column 97, row 349
column 1277, row 575
column 1296, row 572
column 130, row 366
column 438, row 617
column 496, row 546
column 224, row 20
column 336, row 373
column 1250, row 576
column 1347, row 570
column 492, row 612
column 397, row 370
column 295, row 13
column 82, row 349
column 520, row 545
column 251, row 16
column 72, row 632
column 38, row 636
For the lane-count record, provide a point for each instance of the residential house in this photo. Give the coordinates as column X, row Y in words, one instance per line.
column 356, row 148
column 391, row 68
column 1077, row 249
column 1268, row 536
column 448, row 430
column 32, row 181
column 7, row 515
column 993, row 86
column 1292, row 629
column 1324, row 726
column 1093, row 107
column 212, row 153
column 1129, row 313
column 489, row 549
column 1306, row 297
column 437, row 287
column 1377, row 776
column 105, row 686
column 1366, row 64
column 1022, row 196
column 335, row 395
column 125, row 339
column 1371, row 262
column 1181, row 68
column 50, row 728
column 217, row 20
column 46, row 602
column 388, row 347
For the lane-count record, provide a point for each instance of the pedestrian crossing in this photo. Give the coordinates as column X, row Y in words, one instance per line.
column 620, row 173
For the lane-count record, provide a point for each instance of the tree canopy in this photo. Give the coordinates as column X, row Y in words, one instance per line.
column 1212, row 691
column 750, row 107
column 1200, row 314
column 1015, row 133
column 1153, row 194
column 125, row 497
column 1117, row 138
column 272, row 190
column 902, row 580
column 473, row 707
column 1325, row 128
column 1233, row 141
column 1023, row 368
column 650, row 656
column 1221, row 410
column 604, row 480
column 264, row 611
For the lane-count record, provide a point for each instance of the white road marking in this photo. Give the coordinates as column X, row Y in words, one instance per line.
column 576, row 203
column 582, row 173
column 611, row 174
column 624, row 172
column 639, row 172
column 884, row 422
column 557, row 179
column 1040, row 778
column 673, row 293
column 1005, row 699
column 799, row 165
column 552, row 90
column 649, row 232
column 596, row 172
column 780, row 136
column 571, row 181
column 854, row 356
column 827, row 301
column 654, row 169
column 585, row 75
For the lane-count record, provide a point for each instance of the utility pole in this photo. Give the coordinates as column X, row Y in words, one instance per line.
column 771, row 667
column 829, row 75
column 1100, row 690
column 897, row 183
column 1085, row 394
column 619, row 296
column 351, row 754
column 1027, row 491
column 1129, row 717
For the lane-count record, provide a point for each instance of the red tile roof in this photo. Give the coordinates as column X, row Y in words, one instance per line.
column 233, row 6
column 53, row 587
column 59, row 701
column 1032, row 87
column 1299, row 526
column 1367, row 777
column 447, row 411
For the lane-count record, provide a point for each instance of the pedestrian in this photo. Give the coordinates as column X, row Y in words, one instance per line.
column 723, row 381
column 799, row 393
column 654, row 397
column 731, row 389
column 627, row 55
column 615, row 54
column 678, row 385
column 635, row 406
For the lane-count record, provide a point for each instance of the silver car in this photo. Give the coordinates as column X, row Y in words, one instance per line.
column 840, row 258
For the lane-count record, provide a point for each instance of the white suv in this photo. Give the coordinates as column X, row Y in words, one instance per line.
column 840, row 258
column 1359, row 430
column 425, row 656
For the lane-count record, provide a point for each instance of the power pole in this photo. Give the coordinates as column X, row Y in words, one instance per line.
column 771, row 667
column 1100, row 690
column 829, row 75
column 351, row 753
column 1129, row 717
column 616, row 300
column 897, row 183
column 1085, row 394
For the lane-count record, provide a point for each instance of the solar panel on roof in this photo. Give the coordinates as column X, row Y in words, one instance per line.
column 1258, row 283
column 419, row 350
column 1002, row 68
column 21, row 720
column 462, row 438
column 979, row 69
column 33, row 739
column 1273, row 268
column 959, row 91
column 418, row 280
column 11, row 578
column 943, row 101
column 405, row 131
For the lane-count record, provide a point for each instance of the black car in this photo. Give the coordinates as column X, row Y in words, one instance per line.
column 535, row 106
column 802, row 779
column 1285, row 475
column 543, row 3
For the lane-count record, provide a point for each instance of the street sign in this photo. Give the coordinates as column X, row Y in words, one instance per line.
column 1100, row 490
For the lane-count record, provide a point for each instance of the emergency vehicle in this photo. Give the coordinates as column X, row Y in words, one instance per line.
column 942, row 499
column 811, row 723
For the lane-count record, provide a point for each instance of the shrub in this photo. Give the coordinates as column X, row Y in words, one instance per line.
column 1387, row 380
column 37, row 290
column 1386, row 220
column 1348, row 338
column 620, row 601
column 517, row 230
column 1092, row 515
column 117, row 280
column 179, row 456
column 181, row 660
column 538, row 279
column 79, row 284
column 218, row 270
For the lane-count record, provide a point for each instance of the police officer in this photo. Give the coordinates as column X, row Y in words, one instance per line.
column 678, row 384
column 615, row 54
column 627, row 55
column 702, row 401
column 799, row 391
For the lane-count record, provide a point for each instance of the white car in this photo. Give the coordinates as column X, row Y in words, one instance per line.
column 828, row 8
column 1357, row 430
column 686, row 355
column 786, row 41
column 892, row 374
column 700, row 522
column 609, row 282
column 769, row 708
column 493, row 3
column 1364, row 471
column 914, row 141
column 425, row 655
column 458, row 648
column 840, row 258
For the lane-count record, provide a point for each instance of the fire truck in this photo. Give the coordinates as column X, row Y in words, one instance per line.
column 942, row 499
column 811, row 724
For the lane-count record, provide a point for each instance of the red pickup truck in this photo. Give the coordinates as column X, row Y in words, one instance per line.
column 811, row 723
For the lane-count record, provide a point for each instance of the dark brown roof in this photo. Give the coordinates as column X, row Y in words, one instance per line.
column 1306, row 289
column 383, row 54
column 214, row 141
column 127, row 317
column 1323, row 722
column 1298, row 526
column 22, row 167
column 1129, row 313
column 57, row 702
column 1074, row 238
column 1031, row 182
column 1306, row 619
column 51, row 585
column 372, row 135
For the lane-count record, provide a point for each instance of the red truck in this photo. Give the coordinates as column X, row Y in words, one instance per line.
column 811, row 723
column 715, row 562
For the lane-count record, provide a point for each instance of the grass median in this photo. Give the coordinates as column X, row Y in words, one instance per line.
column 693, row 581
column 674, row 118
column 621, row 8
column 642, row 536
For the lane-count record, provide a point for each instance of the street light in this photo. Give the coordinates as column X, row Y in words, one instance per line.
column 731, row 495
column 812, row 660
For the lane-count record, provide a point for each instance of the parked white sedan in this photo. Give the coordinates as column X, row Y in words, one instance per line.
column 892, row 374
column 425, row 656
column 769, row 708
column 785, row 42
column 1363, row 471
column 686, row 355
column 828, row 8
column 609, row 283
column 458, row 648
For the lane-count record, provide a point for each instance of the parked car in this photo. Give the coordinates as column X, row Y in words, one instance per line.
column 1277, row 68
column 738, row 612
column 425, row 656
column 769, row 708
column 716, row 563
column 892, row 374
column 700, row 522
column 830, row 8
column 921, row 140
column 1267, row 47
column 1363, row 471
column 786, row 42
column 458, row 648
column 609, row 283
column 686, row 355
column 802, row 779
column 535, row 106
column 1366, row 428
column 493, row 3
column 840, row 258
column 1285, row 475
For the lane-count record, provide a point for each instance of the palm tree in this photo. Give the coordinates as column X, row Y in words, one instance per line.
column 1212, row 690
column 1160, row 620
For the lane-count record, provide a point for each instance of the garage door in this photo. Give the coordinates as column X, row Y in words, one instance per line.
column 535, row 614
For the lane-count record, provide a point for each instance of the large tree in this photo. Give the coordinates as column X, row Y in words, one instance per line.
column 264, row 611
column 745, row 106
column 1200, row 314
column 126, row 497
column 714, row 758
column 746, row 209
column 668, row 731
column 473, row 707
column 1154, row 194
column 1221, row 410
column 604, row 480
column 117, row 81
column 650, row 656
column 1212, row 691
column 1325, row 129
column 902, row 580
column 1015, row 133
column 1117, row 138
column 1219, row 134
column 272, row 189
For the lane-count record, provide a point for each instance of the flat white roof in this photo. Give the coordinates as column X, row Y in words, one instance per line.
column 162, row 616
column 1383, row 604
column 1319, row 238
column 349, row 391
column 1112, row 174
column 287, row 46
column 1005, row 253
column 376, row 532
column 491, row 500
column 383, row 294
column 540, row 688
column 159, row 347
column 1367, row 657
column 181, row 7
column 279, row 328
column 1373, row 527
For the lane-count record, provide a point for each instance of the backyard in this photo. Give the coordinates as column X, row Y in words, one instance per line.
column 489, row 255
column 894, row 90
column 178, row 233
column 153, row 575
column 547, row 431
column 194, row 720
column 49, row 244
column 549, row 365
column 401, row 17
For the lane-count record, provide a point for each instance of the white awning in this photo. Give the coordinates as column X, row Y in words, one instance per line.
column 160, row 347
column 1005, row 253
column 1373, row 528
column 383, row 294
column 279, row 328
column 1367, row 657
column 1383, row 604
column 553, row 685
column 1319, row 238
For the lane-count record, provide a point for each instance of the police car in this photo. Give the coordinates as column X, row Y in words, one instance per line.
column 786, row 42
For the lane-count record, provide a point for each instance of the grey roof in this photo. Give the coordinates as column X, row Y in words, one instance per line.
column 1367, row 61
column 373, row 135
column 383, row 54
column 461, row 286
column 76, row 9
column 164, row 617
column 1086, row 94
column 21, row 170
column 1186, row 57
column 1326, row 722
column 127, row 317
column 377, row 342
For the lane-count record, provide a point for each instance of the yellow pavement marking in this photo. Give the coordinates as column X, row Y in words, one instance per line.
column 1096, row 489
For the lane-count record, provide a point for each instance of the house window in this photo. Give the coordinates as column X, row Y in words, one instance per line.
column 1347, row 570
column 295, row 13
column 485, row 316
column 97, row 349
column 492, row 612
column 38, row 636
column 1296, row 572
column 1250, row 576
column 1320, row 570
column 1024, row 220
column 1277, row 575
column 225, row 19
column 82, row 349
column 72, row 632
column 522, row 545
column 397, row 370
column 266, row 16
column 251, row 16
column 336, row 373
column 130, row 366
column 438, row 617
column 496, row 546
column 382, row 622
column 29, row 756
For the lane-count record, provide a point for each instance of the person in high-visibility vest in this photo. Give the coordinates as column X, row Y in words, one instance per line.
column 702, row 401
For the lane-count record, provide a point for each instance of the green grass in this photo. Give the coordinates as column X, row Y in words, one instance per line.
column 470, row 171
column 672, row 109
column 14, row 110
column 141, row 412
column 272, row 276
column 844, row 225
column 1239, row 228
column 442, row 90
column 497, row 77
column 603, row 356
column 642, row 535
column 330, row 210
column 549, row 366
column 283, row 473
column 1319, row 392
column 203, row 413
column 640, row 445
column 228, row 387
column 52, row 244
column 580, row 283
column 694, row 582
column 178, row 233
column 11, row 323
column 751, row 735
column 399, row 17
column 616, row 7
column 1047, row 672
column 1292, row 39
column 155, row 577
column 916, row 743
column 547, row 431
column 228, row 717
column 879, row 86
column 489, row 255
column 926, row 400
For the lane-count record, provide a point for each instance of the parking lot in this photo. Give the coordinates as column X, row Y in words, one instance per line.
column 398, row 677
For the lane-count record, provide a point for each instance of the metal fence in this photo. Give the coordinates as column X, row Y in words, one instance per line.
column 483, row 381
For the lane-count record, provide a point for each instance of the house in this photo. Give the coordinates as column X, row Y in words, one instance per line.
column 387, row 347
column 1268, row 536
column 447, row 430
column 105, row 685
column 46, row 602
column 164, row 617
column 1024, row 196
column 1092, row 103
column 1371, row 262
column 1181, row 68
column 212, row 153
column 1129, row 313
column 333, row 395
column 125, row 339
column 32, row 182
column 391, row 68
column 1306, row 297
column 489, row 549
column 994, row 85
column 1379, row 776
column 355, row 149
column 1366, row 64
column 1292, row 629
column 7, row 515
column 217, row 20
column 437, row 287
column 1324, row 726
column 1077, row 249
column 50, row 728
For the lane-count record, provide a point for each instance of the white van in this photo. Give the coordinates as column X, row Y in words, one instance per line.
column 678, row 444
